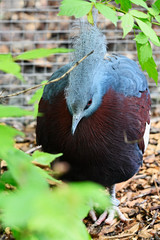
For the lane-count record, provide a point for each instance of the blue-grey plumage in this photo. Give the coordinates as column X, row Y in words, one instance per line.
column 95, row 75
column 82, row 82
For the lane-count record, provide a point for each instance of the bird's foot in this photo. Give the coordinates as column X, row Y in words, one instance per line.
column 107, row 216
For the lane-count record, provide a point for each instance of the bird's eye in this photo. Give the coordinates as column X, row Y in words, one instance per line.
column 88, row 104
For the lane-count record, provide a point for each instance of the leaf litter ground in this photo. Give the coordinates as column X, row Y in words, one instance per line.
column 139, row 197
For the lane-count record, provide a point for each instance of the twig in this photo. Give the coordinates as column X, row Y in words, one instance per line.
column 116, row 9
column 151, row 224
column 3, row 90
column 156, row 187
column 154, row 208
column 156, row 23
column 154, row 219
column 120, row 236
column 145, row 193
column 34, row 149
column 139, row 176
column 54, row 80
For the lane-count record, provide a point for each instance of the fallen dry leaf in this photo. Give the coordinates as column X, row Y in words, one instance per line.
column 145, row 234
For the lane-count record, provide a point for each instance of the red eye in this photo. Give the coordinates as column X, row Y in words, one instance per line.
column 89, row 102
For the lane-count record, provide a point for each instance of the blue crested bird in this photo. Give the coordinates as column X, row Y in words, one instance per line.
column 97, row 116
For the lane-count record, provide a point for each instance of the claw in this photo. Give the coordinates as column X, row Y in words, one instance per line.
column 114, row 211
column 101, row 218
column 93, row 216
column 108, row 215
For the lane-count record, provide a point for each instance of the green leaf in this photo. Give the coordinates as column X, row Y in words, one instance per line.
column 33, row 211
column 44, row 158
column 107, row 12
column 70, row 199
column 12, row 111
column 6, row 140
column 127, row 23
column 37, row 95
column 88, row 191
column 90, row 17
column 157, row 18
column 41, row 53
column 23, row 171
column 36, row 98
column 77, row 8
column 7, row 65
column 147, row 21
column 7, row 178
column 47, row 176
column 140, row 3
column 18, row 162
column 155, row 43
column 2, row 186
column 147, row 64
column 138, row 14
column 148, row 31
column 6, row 57
column 125, row 5
column 155, row 10
column 145, row 52
column 157, row 4
column 151, row 68
column 141, row 38
column 152, row 11
column 36, row 113
column 18, row 207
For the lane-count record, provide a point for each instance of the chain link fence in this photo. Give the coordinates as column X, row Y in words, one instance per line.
column 32, row 24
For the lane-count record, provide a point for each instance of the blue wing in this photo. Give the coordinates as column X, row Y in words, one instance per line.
column 53, row 89
column 124, row 76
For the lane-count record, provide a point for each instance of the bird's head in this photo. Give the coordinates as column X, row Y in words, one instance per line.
column 85, row 87
column 79, row 111
column 84, row 96
column 80, row 108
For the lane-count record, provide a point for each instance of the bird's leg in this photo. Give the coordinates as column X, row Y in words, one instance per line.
column 108, row 215
column 114, row 210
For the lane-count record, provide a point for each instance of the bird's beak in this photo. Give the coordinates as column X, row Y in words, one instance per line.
column 75, row 120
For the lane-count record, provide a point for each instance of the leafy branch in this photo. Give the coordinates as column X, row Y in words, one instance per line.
column 46, row 83
column 131, row 19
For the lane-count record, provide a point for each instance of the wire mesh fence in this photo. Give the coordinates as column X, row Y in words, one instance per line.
column 32, row 24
